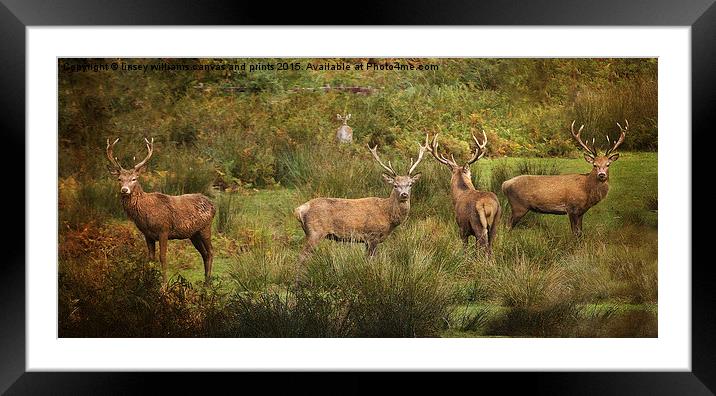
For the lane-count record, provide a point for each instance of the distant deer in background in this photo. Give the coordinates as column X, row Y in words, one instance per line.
column 162, row 217
column 366, row 220
column 477, row 213
column 573, row 194
column 344, row 134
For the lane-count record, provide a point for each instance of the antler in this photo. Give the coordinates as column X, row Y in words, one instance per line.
column 388, row 167
column 433, row 149
column 110, row 154
column 620, row 140
column 592, row 152
column 480, row 150
column 344, row 118
column 150, row 149
column 420, row 158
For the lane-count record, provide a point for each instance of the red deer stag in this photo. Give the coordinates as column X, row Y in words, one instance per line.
column 572, row 194
column 477, row 213
column 162, row 217
column 344, row 134
column 366, row 220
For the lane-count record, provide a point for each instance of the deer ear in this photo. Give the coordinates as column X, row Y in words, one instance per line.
column 142, row 169
column 112, row 170
column 613, row 157
column 388, row 179
column 589, row 158
column 416, row 177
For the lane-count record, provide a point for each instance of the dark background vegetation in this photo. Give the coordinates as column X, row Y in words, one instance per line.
column 259, row 143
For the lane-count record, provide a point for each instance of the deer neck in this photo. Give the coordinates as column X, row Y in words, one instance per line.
column 132, row 203
column 458, row 185
column 596, row 189
column 398, row 210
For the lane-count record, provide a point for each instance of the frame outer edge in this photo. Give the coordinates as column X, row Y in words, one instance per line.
column 397, row 12
column 703, row 100
column 12, row 281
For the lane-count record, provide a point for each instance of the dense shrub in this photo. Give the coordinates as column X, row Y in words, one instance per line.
column 128, row 301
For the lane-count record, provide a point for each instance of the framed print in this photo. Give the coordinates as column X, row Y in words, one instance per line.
column 358, row 198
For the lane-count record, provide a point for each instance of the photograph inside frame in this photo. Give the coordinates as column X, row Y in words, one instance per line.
column 357, row 197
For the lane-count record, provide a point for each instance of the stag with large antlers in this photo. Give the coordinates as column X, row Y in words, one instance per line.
column 162, row 217
column 364, row 220
column 573, row 194
column 477, row 213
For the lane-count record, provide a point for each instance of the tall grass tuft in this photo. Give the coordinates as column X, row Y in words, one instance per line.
column 299, row 312
column 398, row 293
column 540, row 299
column 470, row 318
column 396, row 301
column 224, row 212
column 525, row 284
column 634, row 275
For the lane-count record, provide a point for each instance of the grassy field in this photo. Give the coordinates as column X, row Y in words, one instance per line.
column 541, row 280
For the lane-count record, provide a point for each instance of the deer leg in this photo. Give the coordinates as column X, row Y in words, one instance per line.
column 579, row 225
column 575, row 222
column 492, row 232
column 488, row 241
column 163, row 240
column 371, row 247
column 208, row 249
column 516, row 216
column 481, row 236
column 198, row 243
column 151, row 247
column 465, row 233
column 311, row 242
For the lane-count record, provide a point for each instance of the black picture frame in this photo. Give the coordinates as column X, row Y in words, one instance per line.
column 16, row 15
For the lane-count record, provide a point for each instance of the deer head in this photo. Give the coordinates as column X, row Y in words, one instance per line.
column 128, row 178
column 458, row 171
column 600, row 163
column 401, row 184
column 344, row 118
